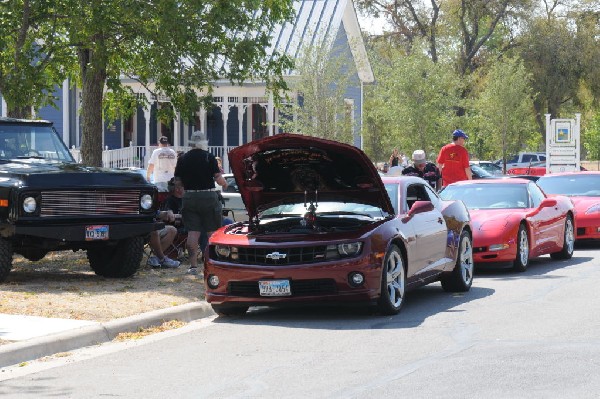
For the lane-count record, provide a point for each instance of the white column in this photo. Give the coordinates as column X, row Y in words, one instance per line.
column 176, row 129
column 270, row 108
column 3, row 108
column 203, row 120
column 147, row 139
column 66, row 112
column 225, row 115
column 240, row 124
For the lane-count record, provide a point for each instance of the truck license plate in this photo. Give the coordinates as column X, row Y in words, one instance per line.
column 275, row 288
column 97, row 232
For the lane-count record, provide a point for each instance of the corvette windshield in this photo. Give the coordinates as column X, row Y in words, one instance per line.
column 579, row 185
column 488, row 196
column 325, row 209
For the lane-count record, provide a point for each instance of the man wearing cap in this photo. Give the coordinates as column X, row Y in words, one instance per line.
column 202, row 210
column 453, row 160
column 423, row 169
column 162, row 164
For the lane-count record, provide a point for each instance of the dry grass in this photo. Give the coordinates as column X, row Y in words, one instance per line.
column 62, row 285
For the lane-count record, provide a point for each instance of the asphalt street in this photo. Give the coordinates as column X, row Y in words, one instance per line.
column 527, row 335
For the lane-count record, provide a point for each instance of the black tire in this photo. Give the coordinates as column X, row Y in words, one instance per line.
column 117, row 261
column 6, row 257
column 393, row 282
column 230, row 310
column 461, row 278
column 568, row 241
column 522, row 260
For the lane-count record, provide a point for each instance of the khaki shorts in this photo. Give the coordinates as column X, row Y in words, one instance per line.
column 202, row 211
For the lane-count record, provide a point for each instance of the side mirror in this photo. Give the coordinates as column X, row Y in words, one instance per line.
column 418, row 207
column 548, row 203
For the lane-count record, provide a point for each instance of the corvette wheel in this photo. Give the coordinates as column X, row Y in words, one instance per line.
column 568, row 243
column 461, row 278
column 393, row 283
column 522, row 261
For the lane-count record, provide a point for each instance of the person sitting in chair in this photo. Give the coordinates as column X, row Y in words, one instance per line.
column 160, row 240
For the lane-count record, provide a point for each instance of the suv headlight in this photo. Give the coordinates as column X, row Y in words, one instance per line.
column 349, row 249
column 146, row 202
column 29, row 205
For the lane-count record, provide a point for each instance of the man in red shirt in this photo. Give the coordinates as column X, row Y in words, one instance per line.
column 453, row 160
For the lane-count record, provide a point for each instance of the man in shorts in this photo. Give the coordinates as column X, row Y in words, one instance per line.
column 202, row 211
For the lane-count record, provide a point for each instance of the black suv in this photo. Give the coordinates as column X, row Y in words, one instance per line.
column 48, row 202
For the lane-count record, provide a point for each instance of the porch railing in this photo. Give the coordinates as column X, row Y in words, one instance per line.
column 138, row 156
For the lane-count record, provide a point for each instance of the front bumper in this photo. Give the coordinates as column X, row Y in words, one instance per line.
column 76, row 232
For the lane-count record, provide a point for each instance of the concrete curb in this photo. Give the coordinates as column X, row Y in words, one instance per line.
column 15, row 353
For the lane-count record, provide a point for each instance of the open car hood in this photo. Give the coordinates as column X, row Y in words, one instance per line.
column 291, row 168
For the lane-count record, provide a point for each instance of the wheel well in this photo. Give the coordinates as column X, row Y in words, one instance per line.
column 400, row 244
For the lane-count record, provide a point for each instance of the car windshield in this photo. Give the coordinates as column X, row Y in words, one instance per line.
column 32, row 141
column 575, row 185
column 488, row 196
column 325, row 209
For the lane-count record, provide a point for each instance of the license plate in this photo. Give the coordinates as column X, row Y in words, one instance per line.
column 275, row 288
column 98, row 232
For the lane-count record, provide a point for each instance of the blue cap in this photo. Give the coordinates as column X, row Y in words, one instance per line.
column 459, row 133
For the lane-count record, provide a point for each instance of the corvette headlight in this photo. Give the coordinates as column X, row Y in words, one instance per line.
column 349, row 249
column 498, row 247
column 146, row 202
column 29, row 205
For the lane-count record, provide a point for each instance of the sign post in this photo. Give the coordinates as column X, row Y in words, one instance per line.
column 562, row 144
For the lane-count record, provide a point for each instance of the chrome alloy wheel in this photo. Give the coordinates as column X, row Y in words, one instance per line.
column 396, row 279
column 523, row 247
column 466, row 260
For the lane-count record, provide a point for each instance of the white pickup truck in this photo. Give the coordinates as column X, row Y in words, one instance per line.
column 523, row 159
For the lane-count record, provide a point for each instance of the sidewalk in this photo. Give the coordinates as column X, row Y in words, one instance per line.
column 37, row 337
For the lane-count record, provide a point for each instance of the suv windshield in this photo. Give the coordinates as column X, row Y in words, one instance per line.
column 32, row 141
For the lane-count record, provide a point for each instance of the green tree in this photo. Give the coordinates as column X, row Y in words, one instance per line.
column 591, row 137
column 174, row 48
column 412, row 106
column 321, row 82
column 504, row 109
column 34, row 57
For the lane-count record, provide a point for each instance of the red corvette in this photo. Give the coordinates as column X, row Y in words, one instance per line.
column 322, row 228
column 584, row 190
column 514, row 221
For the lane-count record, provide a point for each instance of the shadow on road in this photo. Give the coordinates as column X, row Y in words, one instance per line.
column 420, row 304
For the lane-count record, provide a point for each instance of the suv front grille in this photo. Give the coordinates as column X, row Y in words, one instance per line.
column 90, row 203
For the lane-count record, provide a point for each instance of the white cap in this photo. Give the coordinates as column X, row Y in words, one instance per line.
column 418, row 157
column 199, row 140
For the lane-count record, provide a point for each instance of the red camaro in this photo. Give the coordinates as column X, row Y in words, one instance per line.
column 584, row 190
column 514, row 221
column 322, row 228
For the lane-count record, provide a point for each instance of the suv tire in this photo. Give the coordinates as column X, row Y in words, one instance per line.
column 117, row 261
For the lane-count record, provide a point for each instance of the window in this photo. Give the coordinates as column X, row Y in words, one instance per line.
column 537, row 196
column 414, row 193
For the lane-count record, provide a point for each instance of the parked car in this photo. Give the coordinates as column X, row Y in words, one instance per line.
column 514, row 221
column 489, row 167
column 533, row 169
column 324, row 227
column 233, row 204
column 584, row 190
column 523, row 159
column 478, row 172
column 48, row 202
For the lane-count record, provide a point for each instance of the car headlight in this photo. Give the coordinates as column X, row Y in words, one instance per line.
column 349, row 249
column 29, row 205
column 498, row 247
column 146, row 201
column 222, row 251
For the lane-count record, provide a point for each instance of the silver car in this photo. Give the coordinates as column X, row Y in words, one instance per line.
column 233, row 200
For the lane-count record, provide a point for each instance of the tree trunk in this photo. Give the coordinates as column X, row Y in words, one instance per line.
column 93, row 79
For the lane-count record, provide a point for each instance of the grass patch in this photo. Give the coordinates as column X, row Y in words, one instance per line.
column 142, row 332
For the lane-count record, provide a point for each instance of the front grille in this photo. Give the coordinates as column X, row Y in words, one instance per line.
column 90, row 203
column 298, row 288
column 282, row 256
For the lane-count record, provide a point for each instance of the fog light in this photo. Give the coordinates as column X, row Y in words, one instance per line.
column 212, row 281
column 356, row 279
column 498, row 247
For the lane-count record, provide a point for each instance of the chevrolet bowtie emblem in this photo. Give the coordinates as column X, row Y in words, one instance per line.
column 276, row 256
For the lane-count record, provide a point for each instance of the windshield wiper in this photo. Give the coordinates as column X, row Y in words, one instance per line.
column 280, row 215
column 30, row 157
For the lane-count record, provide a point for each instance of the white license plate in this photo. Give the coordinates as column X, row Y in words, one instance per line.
column 275, row 288
column 97, row 232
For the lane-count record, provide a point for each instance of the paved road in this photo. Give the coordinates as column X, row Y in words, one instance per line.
column 530, row 335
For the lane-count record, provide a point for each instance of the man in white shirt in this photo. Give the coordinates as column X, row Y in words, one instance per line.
column 162, row 164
